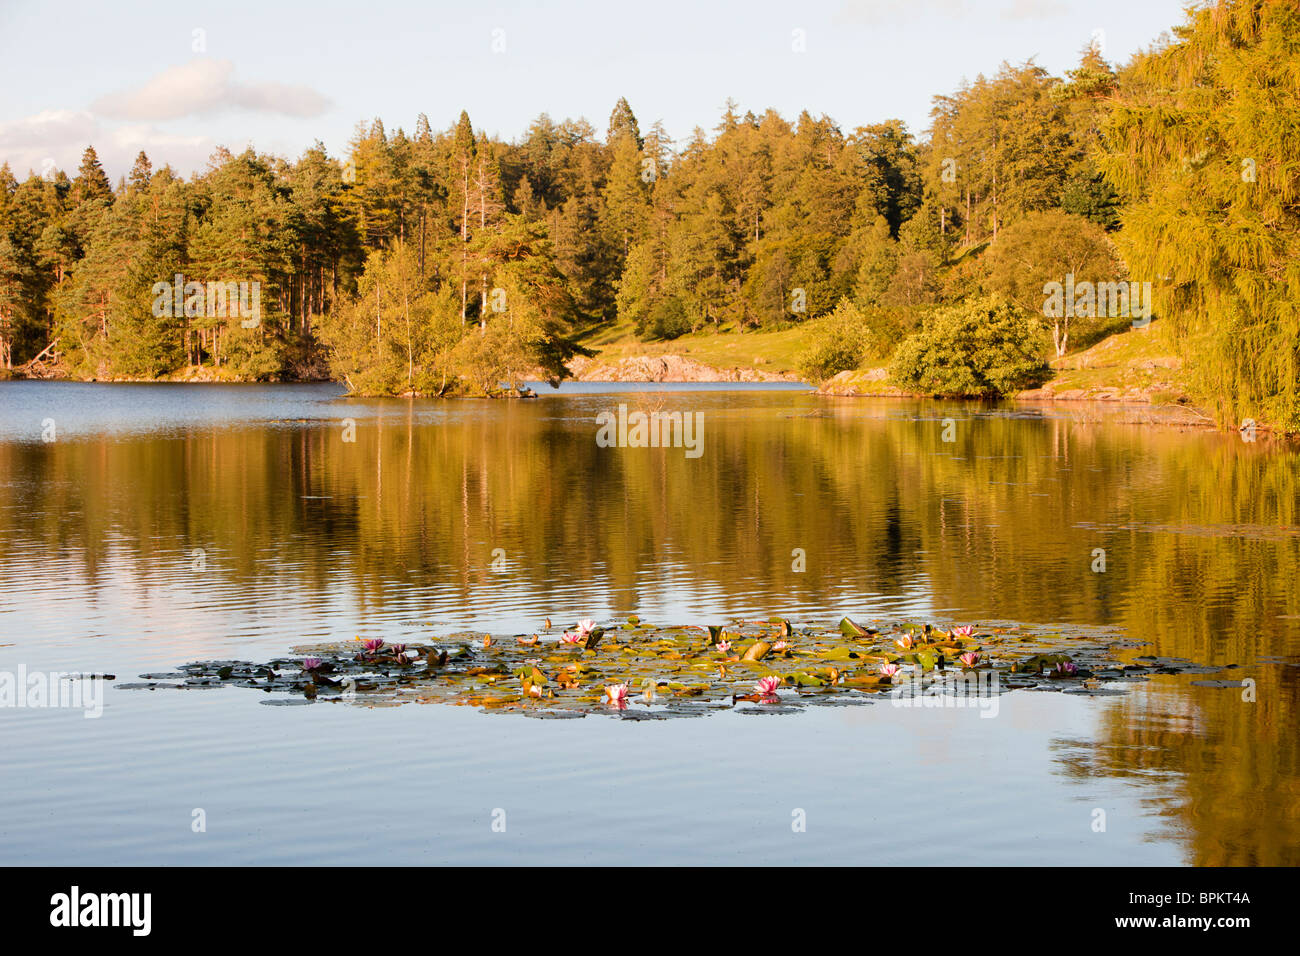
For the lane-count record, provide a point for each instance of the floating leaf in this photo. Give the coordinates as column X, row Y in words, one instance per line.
column 849, row 629
column 465, row 669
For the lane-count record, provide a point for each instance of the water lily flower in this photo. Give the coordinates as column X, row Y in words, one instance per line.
column 969, row 659
column 616, row 693
column 905, row 642
column 724, row 646
column 888, row 670
column 780, row 646
column 310, row 664
column 374, row 644
column 966, row 630
column 398, row 649
column 767, row 686
column 585, row 627
column 577, row 638
column 1066, row 669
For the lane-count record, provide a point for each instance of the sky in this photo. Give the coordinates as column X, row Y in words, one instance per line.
column 178, row 79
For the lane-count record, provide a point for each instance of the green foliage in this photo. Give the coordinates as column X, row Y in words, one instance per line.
column 1047, row 247
column 1089, row 195
column 837, row 342
column 1201, row 141
column 986, row 347
column 760, row 224
column 666, row 319
column 1000, row 148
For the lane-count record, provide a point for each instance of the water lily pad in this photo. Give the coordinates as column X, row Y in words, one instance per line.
column 850, row 629
column 676, row 672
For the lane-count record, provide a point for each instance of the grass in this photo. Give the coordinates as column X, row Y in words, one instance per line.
column 774, row 351
column 1133, row 364
column 1135, row 361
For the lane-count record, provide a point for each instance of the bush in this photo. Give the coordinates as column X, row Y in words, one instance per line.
column 981, row 348
column 837, row 342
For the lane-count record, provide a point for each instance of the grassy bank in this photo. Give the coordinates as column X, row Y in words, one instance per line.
column 772, row 352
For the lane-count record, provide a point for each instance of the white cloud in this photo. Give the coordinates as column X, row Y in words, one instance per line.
column 56, row 139
column 46, row 130
column 204, row 86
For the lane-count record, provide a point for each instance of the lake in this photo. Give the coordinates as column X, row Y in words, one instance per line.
column 143, row 527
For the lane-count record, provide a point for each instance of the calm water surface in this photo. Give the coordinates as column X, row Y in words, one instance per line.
column 307, row 537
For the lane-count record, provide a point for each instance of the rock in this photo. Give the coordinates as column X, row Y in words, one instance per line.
column 666, row 368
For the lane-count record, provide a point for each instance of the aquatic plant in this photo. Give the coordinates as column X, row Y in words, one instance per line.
column 682, row 670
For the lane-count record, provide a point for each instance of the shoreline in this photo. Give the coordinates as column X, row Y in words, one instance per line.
column 1143, row 403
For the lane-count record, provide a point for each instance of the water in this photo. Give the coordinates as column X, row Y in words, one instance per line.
column 167, row 524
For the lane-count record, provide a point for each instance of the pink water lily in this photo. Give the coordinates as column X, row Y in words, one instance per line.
column 374, row 644
column 309, row 664
column 905, row 641
column 969, row 659
column 966, row 630
column 616, row 694
column 888, row 670
column 1066, row 669
column 575, row 638
column 780, row 646
column 398, row 649
column 724, row 646
column 585, row 627
column 767, row 686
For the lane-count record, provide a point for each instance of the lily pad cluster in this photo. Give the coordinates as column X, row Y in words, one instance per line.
column 635, row 670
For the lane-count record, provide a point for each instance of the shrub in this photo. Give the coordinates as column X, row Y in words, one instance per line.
column 980, row 348
column 837, row 342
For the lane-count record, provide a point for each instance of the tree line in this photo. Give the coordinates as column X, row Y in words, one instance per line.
column 448, row 261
